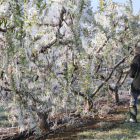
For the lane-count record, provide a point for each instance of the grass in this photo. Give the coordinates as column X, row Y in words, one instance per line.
column 126, row 131
column 3, row 117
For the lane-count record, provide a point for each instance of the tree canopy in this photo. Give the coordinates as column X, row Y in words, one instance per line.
column 57, row 54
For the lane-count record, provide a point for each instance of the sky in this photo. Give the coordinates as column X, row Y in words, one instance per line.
column 136, row 4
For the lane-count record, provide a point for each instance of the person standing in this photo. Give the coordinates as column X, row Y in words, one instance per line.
column 134, row 73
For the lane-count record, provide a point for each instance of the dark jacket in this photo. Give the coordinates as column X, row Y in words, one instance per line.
column 135, row 74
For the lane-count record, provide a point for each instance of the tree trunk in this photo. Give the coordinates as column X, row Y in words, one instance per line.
column 116, row 95
column 88, row 105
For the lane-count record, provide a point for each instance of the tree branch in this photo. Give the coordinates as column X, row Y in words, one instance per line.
column 44, row 48
column 65, row 42
column 63, row 11
column 53, row 41
column 102, row 45
column 49, row 24
column 5, row 89
column 124, row 78
column 100, row 86
column 78, row 93
column 5, row 30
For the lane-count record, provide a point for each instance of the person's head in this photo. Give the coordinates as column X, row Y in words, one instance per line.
column 137, row 50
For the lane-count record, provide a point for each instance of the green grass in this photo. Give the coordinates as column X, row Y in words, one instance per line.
column 125, row 131
column 3, row 117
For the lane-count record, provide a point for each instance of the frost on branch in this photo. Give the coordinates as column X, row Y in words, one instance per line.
column 62, row 55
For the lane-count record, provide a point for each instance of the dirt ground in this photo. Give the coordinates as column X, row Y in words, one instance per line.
column 103, row 122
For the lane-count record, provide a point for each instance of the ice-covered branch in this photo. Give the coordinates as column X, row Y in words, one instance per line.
column 65, row 42
column 101, row 85
column 5, row 29
column 53, row 41
column 104, row 44
column 44, row 48
column 49, row 24
column 78, row 93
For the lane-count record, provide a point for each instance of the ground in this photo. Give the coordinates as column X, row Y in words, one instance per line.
column 103, row 126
